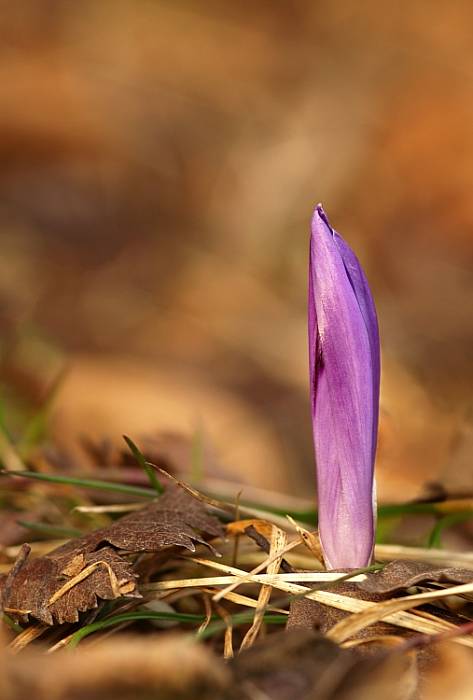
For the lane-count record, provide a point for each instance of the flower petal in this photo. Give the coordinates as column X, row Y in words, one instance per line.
column 363, row 295
column 343, row 348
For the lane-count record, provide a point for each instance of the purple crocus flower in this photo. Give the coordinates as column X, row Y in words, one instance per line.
column 344, row 364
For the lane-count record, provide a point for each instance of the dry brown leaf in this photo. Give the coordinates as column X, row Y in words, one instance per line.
column 176, row 519
column 398, row 575
column 239, row 527
column 56, row 587
column 35, row 587
column 307, row 613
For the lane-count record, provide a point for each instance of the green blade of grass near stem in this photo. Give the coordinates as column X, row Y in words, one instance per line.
column 147, row 468
column 303, row 516
column 309, row 516
column 53, row 530
column 150, row 616
column 435, row 536
column 84, row 483
column 239, row 619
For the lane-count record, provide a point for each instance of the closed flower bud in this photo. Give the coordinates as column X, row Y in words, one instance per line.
column 344, row 363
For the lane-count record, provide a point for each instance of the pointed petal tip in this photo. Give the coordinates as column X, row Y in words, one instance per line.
column 320, row 215
column 320, row 210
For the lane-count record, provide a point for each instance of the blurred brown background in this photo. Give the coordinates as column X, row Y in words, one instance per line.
column 159, row 165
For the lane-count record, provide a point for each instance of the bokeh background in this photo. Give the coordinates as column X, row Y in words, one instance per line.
column 159, row 165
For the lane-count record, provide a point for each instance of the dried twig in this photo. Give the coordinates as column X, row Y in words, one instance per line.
column 379, row 611
column 278, row 542
column 260, row 567
column 401, row 618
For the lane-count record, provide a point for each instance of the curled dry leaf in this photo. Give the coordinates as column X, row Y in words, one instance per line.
column 240, row 527
column 176, row 519
column 48, row 590
column 399, row 575
column 56, row 587
column 377, row 587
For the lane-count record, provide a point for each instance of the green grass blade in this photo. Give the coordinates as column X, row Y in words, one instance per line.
column 147, row 468
column 84, row 483
column 11, row 623
column 131, row 617
column 435, row 537
column 240, row 618
column 54, row 530
column 385, row 511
